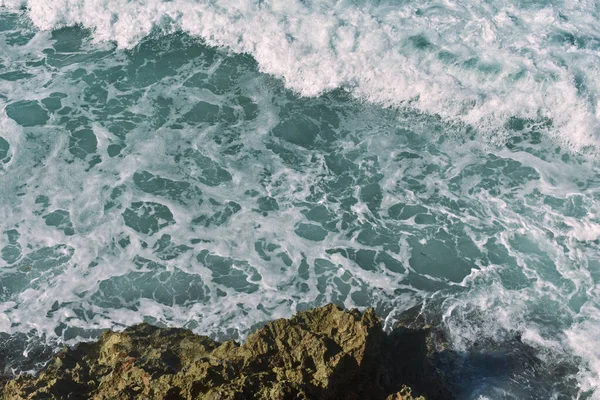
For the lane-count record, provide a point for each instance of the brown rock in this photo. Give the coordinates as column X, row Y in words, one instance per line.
column 325, row 353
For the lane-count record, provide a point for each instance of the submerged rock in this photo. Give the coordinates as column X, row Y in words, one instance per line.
column 325, row 353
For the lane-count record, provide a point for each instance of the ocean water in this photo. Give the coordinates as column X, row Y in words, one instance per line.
column 217, row 164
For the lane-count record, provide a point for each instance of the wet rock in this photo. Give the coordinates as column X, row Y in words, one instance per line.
column 324, row 353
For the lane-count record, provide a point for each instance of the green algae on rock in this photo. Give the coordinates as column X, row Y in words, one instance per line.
column 324, row 353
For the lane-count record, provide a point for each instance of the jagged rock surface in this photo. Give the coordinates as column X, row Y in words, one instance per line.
column 325, row 353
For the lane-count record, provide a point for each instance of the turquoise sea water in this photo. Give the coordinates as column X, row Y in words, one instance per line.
column 214, row 165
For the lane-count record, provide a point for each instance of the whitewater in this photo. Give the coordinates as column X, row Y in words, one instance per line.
column 217, row 164
column 475, row 63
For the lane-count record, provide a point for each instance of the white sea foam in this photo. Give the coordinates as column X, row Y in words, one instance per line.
column 520, row 225
column 583, row 340
column 470, row 62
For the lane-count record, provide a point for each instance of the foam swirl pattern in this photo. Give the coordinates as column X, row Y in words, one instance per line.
column 473, row 63
column 362, row 153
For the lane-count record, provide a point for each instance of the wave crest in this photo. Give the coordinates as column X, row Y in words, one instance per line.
column 475, row 63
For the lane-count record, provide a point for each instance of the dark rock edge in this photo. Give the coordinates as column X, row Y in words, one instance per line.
column 323, row 353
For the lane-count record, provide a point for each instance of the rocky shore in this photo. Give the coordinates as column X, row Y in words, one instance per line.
column 324, row 353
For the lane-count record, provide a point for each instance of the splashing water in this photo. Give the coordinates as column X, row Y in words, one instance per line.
column 214, row 165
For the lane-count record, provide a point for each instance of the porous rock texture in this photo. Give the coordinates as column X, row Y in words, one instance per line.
column 324, row 353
